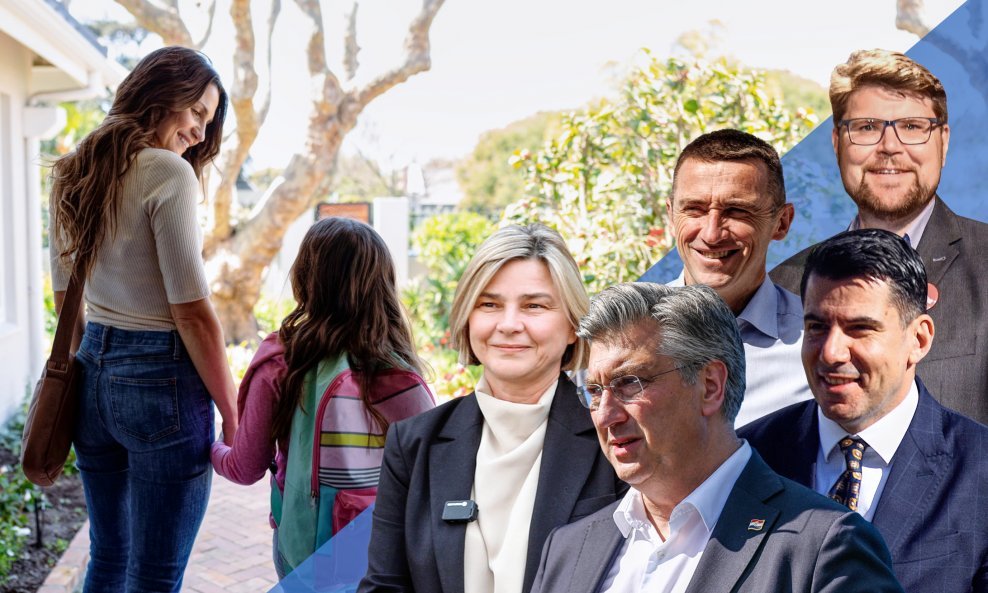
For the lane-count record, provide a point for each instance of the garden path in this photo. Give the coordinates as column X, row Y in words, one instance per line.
column 232, row 553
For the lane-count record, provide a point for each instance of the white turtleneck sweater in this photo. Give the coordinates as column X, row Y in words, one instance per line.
column 504, row 485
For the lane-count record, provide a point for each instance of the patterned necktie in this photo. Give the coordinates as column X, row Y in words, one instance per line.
column 847, row 487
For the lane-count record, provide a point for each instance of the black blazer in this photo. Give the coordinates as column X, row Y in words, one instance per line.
column 933, row 512
column 954, row 250
column 806, row 543
column 431, row 458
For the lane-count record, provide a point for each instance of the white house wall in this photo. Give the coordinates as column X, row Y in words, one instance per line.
column 16, row 372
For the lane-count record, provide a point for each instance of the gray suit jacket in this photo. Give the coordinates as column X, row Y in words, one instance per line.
column 807, row 544
column 955, row 252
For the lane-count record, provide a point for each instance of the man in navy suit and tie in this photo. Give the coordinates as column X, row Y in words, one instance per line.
column 874, row 438
column 704, row 513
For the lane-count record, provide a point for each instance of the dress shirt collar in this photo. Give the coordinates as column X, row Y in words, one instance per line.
column 761, row 312
column 914, row 230
column 708, row 499
column 883, row 437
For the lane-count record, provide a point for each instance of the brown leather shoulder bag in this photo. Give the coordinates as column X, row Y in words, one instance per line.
column 51, row 418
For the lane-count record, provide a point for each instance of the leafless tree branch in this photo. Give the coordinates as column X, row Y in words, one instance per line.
column 262, row 112
column 350, row 46
column 417, row 58
column 166, row 22
column 242, row 89
column 209, row 25
column 909, row 17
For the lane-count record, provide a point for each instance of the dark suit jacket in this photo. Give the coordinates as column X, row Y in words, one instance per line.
column 431, row 458
column 807, row 544
column 954, row 250
column 933, row 512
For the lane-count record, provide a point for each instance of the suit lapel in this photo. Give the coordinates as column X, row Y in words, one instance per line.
column 453, row 463
column 601, row 543
column 734, row 541
column 918, row 469
column 805, row 445
column 568, row 455
column 790, row 447
column 938, row 247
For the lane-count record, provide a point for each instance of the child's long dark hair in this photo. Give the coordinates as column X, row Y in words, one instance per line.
column 344, row 283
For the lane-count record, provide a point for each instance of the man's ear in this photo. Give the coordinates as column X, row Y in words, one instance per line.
column 785, row 222
column 921, row 331
column 835, row 139
column 713, row 378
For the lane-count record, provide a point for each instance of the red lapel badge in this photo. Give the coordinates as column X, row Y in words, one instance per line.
column 756, row 524
column 932, row 295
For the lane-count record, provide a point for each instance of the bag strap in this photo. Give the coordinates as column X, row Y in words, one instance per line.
column 299, row 460
column 71, row 305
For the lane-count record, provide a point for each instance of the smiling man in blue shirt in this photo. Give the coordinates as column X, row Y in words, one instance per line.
column 728, row 203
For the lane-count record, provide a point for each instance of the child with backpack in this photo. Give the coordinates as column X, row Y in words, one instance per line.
column 318, row 397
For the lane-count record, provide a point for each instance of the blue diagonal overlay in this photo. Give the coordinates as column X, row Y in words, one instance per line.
column 337, row 566
column 956, row 52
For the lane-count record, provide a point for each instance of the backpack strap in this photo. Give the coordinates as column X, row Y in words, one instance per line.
column 296, row 510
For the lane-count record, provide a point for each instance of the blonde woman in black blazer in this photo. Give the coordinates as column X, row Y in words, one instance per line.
column 515, row 312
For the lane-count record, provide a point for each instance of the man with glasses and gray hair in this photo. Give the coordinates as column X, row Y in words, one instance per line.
column 704, row 512
column 891, row 136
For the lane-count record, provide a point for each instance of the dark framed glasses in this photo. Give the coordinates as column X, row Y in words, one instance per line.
column 867, row 131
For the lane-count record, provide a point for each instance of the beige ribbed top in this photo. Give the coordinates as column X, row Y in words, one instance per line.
column 505, row 483
column 155, row 256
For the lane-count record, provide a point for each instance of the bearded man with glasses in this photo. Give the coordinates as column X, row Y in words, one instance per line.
column 891, row 137
column 704, row 513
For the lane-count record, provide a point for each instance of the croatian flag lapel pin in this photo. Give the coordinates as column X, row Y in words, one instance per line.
column 756, row 524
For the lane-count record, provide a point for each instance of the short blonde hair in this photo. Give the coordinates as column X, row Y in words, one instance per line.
column 887, row 69
column 533, row 241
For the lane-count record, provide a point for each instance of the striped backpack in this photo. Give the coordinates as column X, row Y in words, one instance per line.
column 335, row 453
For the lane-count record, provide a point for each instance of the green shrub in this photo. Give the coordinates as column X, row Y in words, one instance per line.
column 269, row 313
column 444, row 243
column 17, row 496
column 602, row 181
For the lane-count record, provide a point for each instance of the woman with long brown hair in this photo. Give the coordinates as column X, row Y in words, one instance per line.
column 320, row 393
column 123, row 217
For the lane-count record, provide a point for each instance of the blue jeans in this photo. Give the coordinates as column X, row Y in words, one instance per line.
column 142, row 441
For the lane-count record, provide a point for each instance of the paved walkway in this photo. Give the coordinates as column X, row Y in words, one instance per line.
column 232, row 552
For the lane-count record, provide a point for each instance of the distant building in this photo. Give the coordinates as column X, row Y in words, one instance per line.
column 429, row 190
column 48, row 58
column 439, row 193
